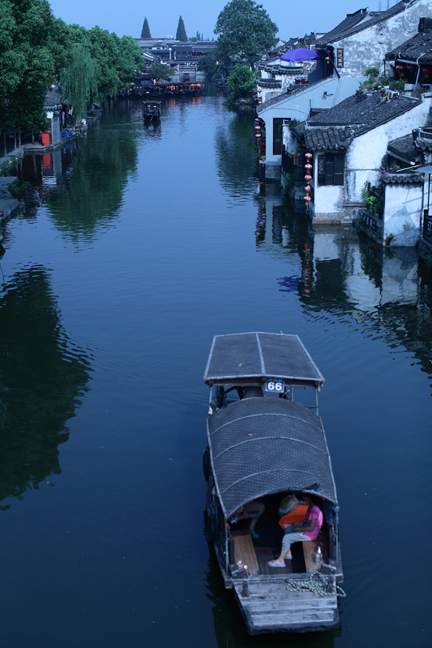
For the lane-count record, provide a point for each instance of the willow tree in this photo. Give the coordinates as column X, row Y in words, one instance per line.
column 79, row 80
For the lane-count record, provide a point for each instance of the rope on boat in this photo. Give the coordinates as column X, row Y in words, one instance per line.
column 317, row 587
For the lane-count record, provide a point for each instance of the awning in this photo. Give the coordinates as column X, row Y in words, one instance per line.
column 300, row 54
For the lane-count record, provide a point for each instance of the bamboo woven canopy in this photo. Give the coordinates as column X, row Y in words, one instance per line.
column 240, row 358
column 260, row 446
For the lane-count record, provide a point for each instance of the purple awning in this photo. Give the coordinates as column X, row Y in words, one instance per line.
column 300, row 54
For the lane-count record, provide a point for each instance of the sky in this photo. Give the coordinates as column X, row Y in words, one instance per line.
column 293, row 19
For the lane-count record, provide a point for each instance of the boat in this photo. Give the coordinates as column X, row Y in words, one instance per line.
column 264, row 446
column 152, row 109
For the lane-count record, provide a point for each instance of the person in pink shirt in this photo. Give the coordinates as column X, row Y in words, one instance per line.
column 303, row 531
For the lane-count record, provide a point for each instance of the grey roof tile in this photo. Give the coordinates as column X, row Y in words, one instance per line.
column 335, row 128
column 419, row 47
column 403, row 147
column 403, row 178
column 355, row 23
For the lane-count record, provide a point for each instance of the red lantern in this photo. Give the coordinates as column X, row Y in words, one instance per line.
column 412, row 67
column 308, row 166
column 258, row 135
column 257, row 128
column 426, row 71
column 308, row 188
column 307, row 199
column 308, row 178
column 308, row 155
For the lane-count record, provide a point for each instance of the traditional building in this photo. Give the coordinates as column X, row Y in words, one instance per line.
column 359, row 42
column 349, row 144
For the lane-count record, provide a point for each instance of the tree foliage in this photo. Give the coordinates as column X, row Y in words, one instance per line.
column 181, row 31
column 160, row 71
column 245, row 32
column 209, row 64
column 145, row 32
column 79, row 80
column 37, row 50
column 241, row 81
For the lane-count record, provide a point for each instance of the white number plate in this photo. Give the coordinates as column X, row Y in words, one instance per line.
column 275, row 385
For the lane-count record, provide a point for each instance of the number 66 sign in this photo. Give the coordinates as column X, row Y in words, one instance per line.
column 275, row 385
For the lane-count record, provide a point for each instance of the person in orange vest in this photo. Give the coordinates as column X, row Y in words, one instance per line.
column 300, row 531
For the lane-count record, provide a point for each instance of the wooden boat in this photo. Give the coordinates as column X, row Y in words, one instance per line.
column 263, row 445
column 152, row 109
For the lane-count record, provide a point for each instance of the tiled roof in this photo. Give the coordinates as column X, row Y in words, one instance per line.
column 403, row 147
column 329, row 139
column 368, row 110
column 346, row 25
column 355, row 23
column 418, row 47
column 403, row 178
column 335, row 128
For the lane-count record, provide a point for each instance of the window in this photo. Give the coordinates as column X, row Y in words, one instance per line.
column 331, row 169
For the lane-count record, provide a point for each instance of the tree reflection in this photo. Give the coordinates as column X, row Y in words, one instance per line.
column 89, row 195
column 42, row 377
column 236, row 154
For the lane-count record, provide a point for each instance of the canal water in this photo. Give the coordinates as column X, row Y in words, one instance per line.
column 140, row 244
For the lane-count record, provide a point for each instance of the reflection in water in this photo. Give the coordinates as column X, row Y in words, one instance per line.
column 236, row 154
column 89, row 194
column 335, row 271
column 42, row 378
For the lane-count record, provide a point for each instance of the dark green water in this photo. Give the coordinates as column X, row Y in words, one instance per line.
column 143, row 245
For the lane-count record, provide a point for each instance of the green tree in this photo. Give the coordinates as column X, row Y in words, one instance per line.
column 79, row 80
column 29, row 62
column 145, row 32
column 160, row 71
column 241, row 81
column 209, row 64
column 245, row 32
column 181, row 31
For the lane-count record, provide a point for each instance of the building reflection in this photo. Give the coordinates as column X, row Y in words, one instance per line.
column 42, row 379
column 331, row 268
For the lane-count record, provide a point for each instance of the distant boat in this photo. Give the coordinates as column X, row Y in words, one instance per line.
column 262, row 445
column 152, row 110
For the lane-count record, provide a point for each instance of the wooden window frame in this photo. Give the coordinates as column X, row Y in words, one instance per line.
column 331, row 169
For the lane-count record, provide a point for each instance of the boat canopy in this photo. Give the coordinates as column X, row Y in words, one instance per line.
column 241, row 358
column 260, row 446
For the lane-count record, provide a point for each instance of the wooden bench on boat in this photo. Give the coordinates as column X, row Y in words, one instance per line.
column 244, row 550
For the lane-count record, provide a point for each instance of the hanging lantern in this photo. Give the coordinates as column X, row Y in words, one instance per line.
column 258, row 135
column 308, row 178
column 308, row 166
column 308, row 188
column 308, row 155
column 257, row 119
column 412, row 67
column 307, row 199
column 257, row 128
column 399, row 67
column 426, row 71
column 259, row 91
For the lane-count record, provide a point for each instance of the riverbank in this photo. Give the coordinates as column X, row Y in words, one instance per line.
column 8, row 204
